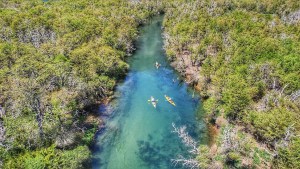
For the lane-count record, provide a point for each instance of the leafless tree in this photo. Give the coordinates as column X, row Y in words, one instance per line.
column 189, row 163
column 292, row 18
column 186, row 138
column 230, row 142
column 2, row 112
column 2, row 132
column 285, row 141
column 36, row 36
column 295, row 95
column 189, row 142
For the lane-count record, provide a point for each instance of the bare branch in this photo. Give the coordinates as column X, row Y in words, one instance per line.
column 295, row 95
column 230, row 143
column 189, row 163
column 189, row 142
column 289, row 134
column 186, row 138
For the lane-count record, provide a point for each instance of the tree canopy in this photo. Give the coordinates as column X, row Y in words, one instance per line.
column 56, row 59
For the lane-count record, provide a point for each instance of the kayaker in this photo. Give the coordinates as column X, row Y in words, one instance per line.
column 152, row 99
column 169, row 99
column 157, row 65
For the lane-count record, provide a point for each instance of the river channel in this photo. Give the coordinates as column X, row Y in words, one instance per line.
column 137, row 135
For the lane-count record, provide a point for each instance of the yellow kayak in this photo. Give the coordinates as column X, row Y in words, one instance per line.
column 170, row 100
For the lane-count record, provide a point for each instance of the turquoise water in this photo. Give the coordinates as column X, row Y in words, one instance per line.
column 136, row 135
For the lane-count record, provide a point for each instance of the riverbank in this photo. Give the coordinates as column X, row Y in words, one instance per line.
column 60, row 57
column 218, row 125
column 57, row 59
column 245, row 86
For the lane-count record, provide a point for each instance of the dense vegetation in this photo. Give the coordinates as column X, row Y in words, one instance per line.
column 56, row 59
column 59, row 57
column 244, row 57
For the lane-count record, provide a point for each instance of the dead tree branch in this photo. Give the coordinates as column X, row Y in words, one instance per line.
column 186, row 138
column 189, row 163
column 189, row 142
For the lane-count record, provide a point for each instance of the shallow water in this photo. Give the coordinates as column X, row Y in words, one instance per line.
column 138, row 136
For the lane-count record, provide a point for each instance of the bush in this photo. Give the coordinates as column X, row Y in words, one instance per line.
column 272, row 125
column 233, row 158
column 289, row 157
column 235, row 96
column 50, row 158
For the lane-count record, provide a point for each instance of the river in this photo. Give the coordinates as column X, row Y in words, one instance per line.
column 137, row 135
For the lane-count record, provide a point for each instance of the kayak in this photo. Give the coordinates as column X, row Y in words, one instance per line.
column 157, row 66
column 154, row 104
column 170, row 100
column 153, row 101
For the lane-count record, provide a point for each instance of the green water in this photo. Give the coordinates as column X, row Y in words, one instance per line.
column 136, row 135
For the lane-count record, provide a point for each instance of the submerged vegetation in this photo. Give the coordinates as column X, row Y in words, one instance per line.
column 244, row 58
column 59, row 57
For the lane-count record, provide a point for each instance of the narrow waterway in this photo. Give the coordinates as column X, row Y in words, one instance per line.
column 137, row 135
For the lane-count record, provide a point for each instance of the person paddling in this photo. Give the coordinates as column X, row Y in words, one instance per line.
column 153, row 101
column 157, row 65
column 169, row 99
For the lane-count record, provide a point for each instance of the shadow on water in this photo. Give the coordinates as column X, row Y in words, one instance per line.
column 156, row 154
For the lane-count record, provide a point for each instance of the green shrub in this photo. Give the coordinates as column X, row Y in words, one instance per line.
column 289, row 156
column 233, row 158
column 272, row 125
column 50, row 158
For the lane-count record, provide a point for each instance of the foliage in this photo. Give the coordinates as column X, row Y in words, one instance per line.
column 233, row 157
column 56, row 59
column 244, row 58
column 289, row 157
column 89, row 136
column 59, row 57
column 272, row 125
column 51, row 158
